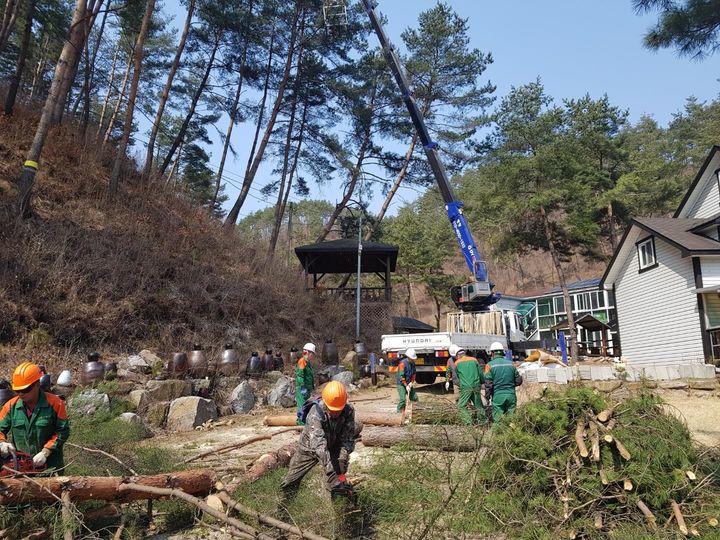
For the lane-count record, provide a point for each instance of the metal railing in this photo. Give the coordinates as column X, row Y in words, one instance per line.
column 367, row 294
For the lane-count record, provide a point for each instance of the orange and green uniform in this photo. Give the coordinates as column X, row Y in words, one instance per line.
column 404, row 376
column 304, row 381
column 46, row 427
column 504, row 377
column 470, row 377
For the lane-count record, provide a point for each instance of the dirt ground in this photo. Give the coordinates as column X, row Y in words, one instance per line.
column 699, row 409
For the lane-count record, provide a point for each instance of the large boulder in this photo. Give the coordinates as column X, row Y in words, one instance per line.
column 242, row 398
column 89, row 402
column 157, row 413
column 328, row 373
column 187, row 413
column 151, row 359
column 169, row 390
column 201, row 387
column 136, row 364
column 283, row 393
column 346, row 377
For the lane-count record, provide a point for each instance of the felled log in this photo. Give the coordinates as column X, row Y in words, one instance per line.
column 85, row 488
column 264, row 464
column 579, row 439
column 372, row 419
column 594, row 442
column 651, row 519
column 446, row 438
column 679, row 517
column 622, row 450
column 604, row 416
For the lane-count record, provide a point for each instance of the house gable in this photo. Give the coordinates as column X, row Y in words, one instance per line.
column 702, row 199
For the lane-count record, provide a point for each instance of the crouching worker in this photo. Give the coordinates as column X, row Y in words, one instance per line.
column 37, row 421
column 328, row 438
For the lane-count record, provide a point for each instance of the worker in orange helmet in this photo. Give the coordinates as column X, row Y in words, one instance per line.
column 37, row 420
column 328, row 438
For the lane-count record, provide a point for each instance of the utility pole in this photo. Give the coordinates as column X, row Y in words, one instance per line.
column 357, row 291
column 289, row 231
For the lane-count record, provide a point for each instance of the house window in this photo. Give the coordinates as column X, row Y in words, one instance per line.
column 646, row 254
column 559, row 304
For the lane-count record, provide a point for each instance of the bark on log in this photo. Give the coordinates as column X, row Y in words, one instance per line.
column 579, row 434
column 446, row 438
column 180, row 494
column 679, row 517
column 84, row 488
column 594, row 443
column 377, row 419
column 651, row 519
column 622, row 450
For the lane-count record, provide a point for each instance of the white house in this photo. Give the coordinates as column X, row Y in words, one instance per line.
column 665, row 275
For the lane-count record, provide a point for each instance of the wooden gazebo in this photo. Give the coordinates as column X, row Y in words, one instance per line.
column 340, row 257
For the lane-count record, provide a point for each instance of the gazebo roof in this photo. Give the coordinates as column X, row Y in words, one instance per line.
column 340, row 257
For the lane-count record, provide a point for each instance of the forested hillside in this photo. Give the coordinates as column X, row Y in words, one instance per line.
column 276, row 102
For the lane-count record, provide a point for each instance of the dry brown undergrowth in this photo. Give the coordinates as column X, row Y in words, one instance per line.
column 149, row 270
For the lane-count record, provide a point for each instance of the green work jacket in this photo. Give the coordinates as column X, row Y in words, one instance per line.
column 47, row 427
column 502, row 374
column 304, row 375
column 468, row 371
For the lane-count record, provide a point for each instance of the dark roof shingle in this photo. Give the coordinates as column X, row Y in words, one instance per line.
column 677, row 231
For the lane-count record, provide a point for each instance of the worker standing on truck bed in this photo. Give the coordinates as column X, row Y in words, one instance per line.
column 470, row 378
column 405, row 378
column 501, row 378
column 304, row 377
column 37, row 420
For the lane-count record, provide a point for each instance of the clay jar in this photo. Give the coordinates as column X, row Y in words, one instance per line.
column 197, row 363
column 330, row 353
column 5, row 392
column 230, row 361
column 178, row 366
column 93, row 370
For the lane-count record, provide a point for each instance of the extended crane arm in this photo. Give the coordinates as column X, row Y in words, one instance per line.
column 482, row 289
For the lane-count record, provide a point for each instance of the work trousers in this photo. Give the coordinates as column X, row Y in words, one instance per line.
column 300, row 401
column 469, row 396
column 402, row 393
column 503, row 403
column 303, row 461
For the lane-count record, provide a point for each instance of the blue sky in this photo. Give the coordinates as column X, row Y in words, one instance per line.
column 574, row 46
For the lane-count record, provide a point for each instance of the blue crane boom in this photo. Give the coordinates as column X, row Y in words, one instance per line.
column 478, row 294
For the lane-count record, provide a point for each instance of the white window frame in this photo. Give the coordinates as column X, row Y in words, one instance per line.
column 647, row 256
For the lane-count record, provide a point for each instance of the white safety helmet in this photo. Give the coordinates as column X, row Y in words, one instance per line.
column 454, row 350
column 310, row 347
column 497, row 347
column 410, row 353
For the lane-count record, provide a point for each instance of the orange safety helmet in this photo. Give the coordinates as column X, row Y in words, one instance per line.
column 335, row 396
column 24, row 375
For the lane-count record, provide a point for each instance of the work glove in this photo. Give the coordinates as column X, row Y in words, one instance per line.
column 41, row 457
column 407, row 389
column 304, row 392
column 447, row 386
column 6, row 449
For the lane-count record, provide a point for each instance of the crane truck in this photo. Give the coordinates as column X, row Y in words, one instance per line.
column 478, row 323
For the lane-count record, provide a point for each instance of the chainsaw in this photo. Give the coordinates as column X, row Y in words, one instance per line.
column 19, row 463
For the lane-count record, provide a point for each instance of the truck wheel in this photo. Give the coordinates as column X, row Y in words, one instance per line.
column 426, row 378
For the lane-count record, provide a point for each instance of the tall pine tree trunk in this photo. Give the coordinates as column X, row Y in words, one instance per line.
column 109, row 91
column 118, row 103
column 68, row 57
column 166, row 91
column 563, row 283
column 611, row 224
column 89, row 82
column 39, row 70
column 92, row 8
column 7, row 23
column 22, row 57
column 355, row 172
column 139, row 47
column 250, row 175
column 193, row 105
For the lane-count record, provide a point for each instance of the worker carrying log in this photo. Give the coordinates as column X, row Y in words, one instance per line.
column 405, row 378
column 467, row 370
column 304, row 377
column 36, row 420
column 501, row 378
column 328, row 438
